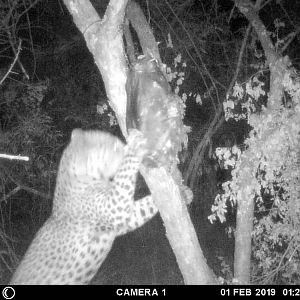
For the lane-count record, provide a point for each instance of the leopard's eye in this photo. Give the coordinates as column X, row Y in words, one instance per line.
column 88, row 212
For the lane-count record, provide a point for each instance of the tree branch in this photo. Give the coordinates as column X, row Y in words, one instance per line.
column 12, row 157
column 13, row 63
column 143, row 30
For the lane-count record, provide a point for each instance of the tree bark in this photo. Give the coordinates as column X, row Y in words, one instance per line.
column 104, row 40
column 244, row 222
column 179, row 228
column 249, row 163
column 143, row 30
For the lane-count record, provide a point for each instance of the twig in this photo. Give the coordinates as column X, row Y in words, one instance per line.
column 12, row 45
column 231, row 12
column 31, row 41
column 20, row 187
column 27, row 9
column 17, row 157
column 280, row 265
column 35, row 192
column 14, row 62
column 14, row 191
column 289, row 38
column 212, row 79
column 267, row 2
column 214, row 125
column 239, row 63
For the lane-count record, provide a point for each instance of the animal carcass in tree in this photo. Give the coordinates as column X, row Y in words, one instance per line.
column 156, row 111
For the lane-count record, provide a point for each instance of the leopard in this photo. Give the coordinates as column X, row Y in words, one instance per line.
column 93, row 203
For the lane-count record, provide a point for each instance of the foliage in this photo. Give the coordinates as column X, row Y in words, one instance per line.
column 273, row 149
column 27, row 130
column 209, row 40
column 76, row 95
column 226, row 272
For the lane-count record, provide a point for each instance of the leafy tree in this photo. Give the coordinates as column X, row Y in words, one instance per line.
column 225, row 61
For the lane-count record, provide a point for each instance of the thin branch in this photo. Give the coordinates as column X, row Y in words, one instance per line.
column 200, row 71
column 11, row 193
column 35, row 192
column 20, row 187
column 280, row 266
column 216, row 123
column 27, row 8
column 12, row 45
column 266, row 3
column 31, row 40
column 213, row 80
column 12, row 38
column 239, row 63
column 288, row 39
column 286, row 14
column 16, row 157
column 231, row 12
column 14, row 62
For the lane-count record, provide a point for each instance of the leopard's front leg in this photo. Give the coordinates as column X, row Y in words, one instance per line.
column 120, row 202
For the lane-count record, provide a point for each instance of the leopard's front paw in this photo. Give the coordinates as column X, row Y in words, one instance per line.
column 136, row 143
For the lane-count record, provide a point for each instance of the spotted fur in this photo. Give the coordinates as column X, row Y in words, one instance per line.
column 93, row 204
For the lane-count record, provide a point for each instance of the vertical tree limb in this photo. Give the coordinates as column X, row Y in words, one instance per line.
column 143, row 30
column 249, row 161
column 104, row 40
column 179, row 228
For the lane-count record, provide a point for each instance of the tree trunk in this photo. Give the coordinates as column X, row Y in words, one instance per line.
column 104, row 40
column 179, row 228
column 244, row 224
column 250, row 160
